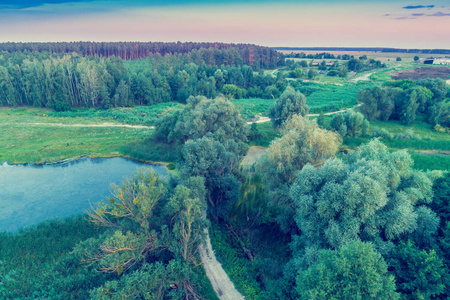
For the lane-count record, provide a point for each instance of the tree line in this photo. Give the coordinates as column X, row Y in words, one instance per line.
column 406, row 100
column 217, row 53
column 64, row 81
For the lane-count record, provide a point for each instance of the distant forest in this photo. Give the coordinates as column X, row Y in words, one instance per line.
column 69, row 75
column 218, row 53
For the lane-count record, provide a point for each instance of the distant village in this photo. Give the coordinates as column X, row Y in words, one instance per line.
column 437, row 61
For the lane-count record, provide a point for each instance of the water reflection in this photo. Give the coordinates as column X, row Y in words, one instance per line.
column 30, row 194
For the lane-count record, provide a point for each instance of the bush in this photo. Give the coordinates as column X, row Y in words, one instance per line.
column 61, row 106
column 382, row 133
column 408, row 135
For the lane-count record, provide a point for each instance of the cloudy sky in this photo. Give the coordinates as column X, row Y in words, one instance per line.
column 350, row 23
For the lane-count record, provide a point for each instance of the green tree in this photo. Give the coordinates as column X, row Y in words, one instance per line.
column 312, row 74
column 441, row 198
column 355, row 271
column 398, row 58
column 254, row 133
column 370, row 99
column 350, row 124
column 371, row 194
column 419, row 274
column 217, row 162
column 203, row 116
column 154, row 230
column 290, row 103
column 302, row 142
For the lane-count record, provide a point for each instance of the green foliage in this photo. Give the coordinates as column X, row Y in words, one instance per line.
column 370, row 195
column 355, row 271
column 350, row 124
column 268, row 134
column 150, row 223
column 290, row 103
column 201, row 116
column 37, row 262
column 149, row 150
column 441, row 198
column 253, row 106
column 406, row 100
column 440, row 115
column 419, row 274
column 376, row 103
column 323, row 98
column 398, row 58
column 217, row 163
column 47, row 141
column 138, row 115
column 303, row 142
column 426, row 162
column 254, row 133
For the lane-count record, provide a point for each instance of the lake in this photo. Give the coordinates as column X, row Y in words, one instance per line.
column 30, row 194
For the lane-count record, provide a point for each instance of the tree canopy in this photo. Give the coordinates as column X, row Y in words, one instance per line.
column 290, row 103
column 370, row 195
column 354, row 271
column 302, row 142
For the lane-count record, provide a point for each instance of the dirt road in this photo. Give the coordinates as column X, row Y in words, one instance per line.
column 223, row 286
column 363, row 77
column 266, row 119
column 90, row 125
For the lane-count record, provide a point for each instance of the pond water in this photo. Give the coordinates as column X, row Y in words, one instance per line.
column 30, row 194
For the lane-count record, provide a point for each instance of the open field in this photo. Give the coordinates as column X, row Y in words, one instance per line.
column 46, row 141
column 423, row 72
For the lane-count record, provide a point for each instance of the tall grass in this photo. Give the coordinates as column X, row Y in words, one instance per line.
column 328, row 97
column 431, row 162
column 139, row 115
column 36, row 262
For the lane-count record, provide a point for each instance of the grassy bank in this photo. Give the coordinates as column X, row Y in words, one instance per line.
column 31, row 135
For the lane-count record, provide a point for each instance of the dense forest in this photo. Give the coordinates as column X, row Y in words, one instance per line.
column 64, row 81
column 253, row 55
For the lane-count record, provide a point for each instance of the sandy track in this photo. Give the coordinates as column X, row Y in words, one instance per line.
column 220, row 281
column 89, row 125
column 266, row 119
column 363, row 78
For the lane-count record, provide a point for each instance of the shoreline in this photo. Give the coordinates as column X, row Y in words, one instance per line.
column 69, row 160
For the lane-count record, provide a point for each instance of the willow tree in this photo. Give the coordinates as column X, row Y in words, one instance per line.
column 290, row 103
column 153, row 229
column 302, row 142
column 370, row 195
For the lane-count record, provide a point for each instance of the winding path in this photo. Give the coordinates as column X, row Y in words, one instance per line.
column 267, row 119
column 85, row 125
column 220, row 281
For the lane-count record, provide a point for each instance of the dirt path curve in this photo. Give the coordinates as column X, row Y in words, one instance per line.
column 267, row 119
column 89, row 125
column 220, row 281
column 363, row 77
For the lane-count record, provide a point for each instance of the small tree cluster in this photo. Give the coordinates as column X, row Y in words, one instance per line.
column 290, row 103
column 350, row 124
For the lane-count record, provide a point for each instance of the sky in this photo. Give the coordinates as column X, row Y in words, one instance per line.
column 420, row 24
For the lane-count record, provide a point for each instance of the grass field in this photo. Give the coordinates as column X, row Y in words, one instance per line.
column 139, row 115
column 30, row 135
column 253, row 106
